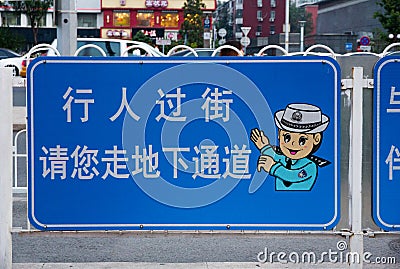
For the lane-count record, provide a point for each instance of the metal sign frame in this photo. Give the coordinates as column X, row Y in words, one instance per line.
column 330, row 66
column 382, row 211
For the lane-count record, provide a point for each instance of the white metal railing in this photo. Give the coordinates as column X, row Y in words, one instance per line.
column 309, row 51
column 19, row 184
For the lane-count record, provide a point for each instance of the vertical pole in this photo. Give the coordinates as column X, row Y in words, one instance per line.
column 6, row 167
column 67, row 25
column 215, row 37
column 302, row 38
column 356, row 240
column 211, row 38
column 302, row 23
column 287, row 26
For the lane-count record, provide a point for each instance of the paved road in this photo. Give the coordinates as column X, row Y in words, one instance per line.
column 204, row 249
column 204, row 265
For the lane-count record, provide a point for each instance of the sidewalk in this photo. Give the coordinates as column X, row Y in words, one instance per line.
column 128, row 265
column 204, row 265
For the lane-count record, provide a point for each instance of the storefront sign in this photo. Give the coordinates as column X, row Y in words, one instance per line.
column 156, row 3
column 151, row 32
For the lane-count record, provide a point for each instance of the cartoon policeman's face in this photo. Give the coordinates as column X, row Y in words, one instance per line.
column 297, row 145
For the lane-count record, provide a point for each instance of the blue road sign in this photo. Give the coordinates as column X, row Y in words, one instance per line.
column 365, row 40
column 211, row 143
column 207, row 22
column 386, row 180
column 349, row 46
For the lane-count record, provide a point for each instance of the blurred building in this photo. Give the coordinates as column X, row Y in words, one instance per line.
column 265, row 17
column 344, row 16
column 156, row 18
column 300, row 3
column 111, row 19
column 341, row 23
column 88, row 13
column 223, row 18
column 313, row 10
column 89, row 16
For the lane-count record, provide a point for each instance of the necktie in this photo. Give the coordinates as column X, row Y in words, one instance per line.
column 288, row 166
column 288, row 163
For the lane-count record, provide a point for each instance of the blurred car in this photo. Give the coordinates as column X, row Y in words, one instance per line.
column 9, row 58
column 112, row 47
column 37, row 53
column 7, row 53
column 22, row 73
column 15, row 63
column 201, row 52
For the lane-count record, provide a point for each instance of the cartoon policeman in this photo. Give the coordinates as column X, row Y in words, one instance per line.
column 300, row 135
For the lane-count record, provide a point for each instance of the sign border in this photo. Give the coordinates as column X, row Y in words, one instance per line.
column 376, row 176
column 149, row 226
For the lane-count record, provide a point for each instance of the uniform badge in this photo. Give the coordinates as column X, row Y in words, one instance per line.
column 302, row 174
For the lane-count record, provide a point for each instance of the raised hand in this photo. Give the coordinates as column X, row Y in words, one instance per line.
column 259, row 139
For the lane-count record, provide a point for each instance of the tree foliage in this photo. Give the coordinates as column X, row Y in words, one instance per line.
column 225, row 20
column 389, row 17
column 10, row 40
column 140, row 36
column 35, row 10
column 192, row 30
column 297, row 14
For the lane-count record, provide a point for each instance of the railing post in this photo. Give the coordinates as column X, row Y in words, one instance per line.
column 6, row 167
column 356, row 240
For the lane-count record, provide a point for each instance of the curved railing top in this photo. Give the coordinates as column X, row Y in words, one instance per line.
column 40, row 47
column 217, row 50
column 388, row 48
column 320, row 46
column 261, row 52
column 177, row 47
column 138, row 46
column 90, row 46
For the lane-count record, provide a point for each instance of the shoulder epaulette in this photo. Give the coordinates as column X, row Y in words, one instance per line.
column 321, row 162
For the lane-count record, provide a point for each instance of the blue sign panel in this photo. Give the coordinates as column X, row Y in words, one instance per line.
column 211, row 143
column 387, row 144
